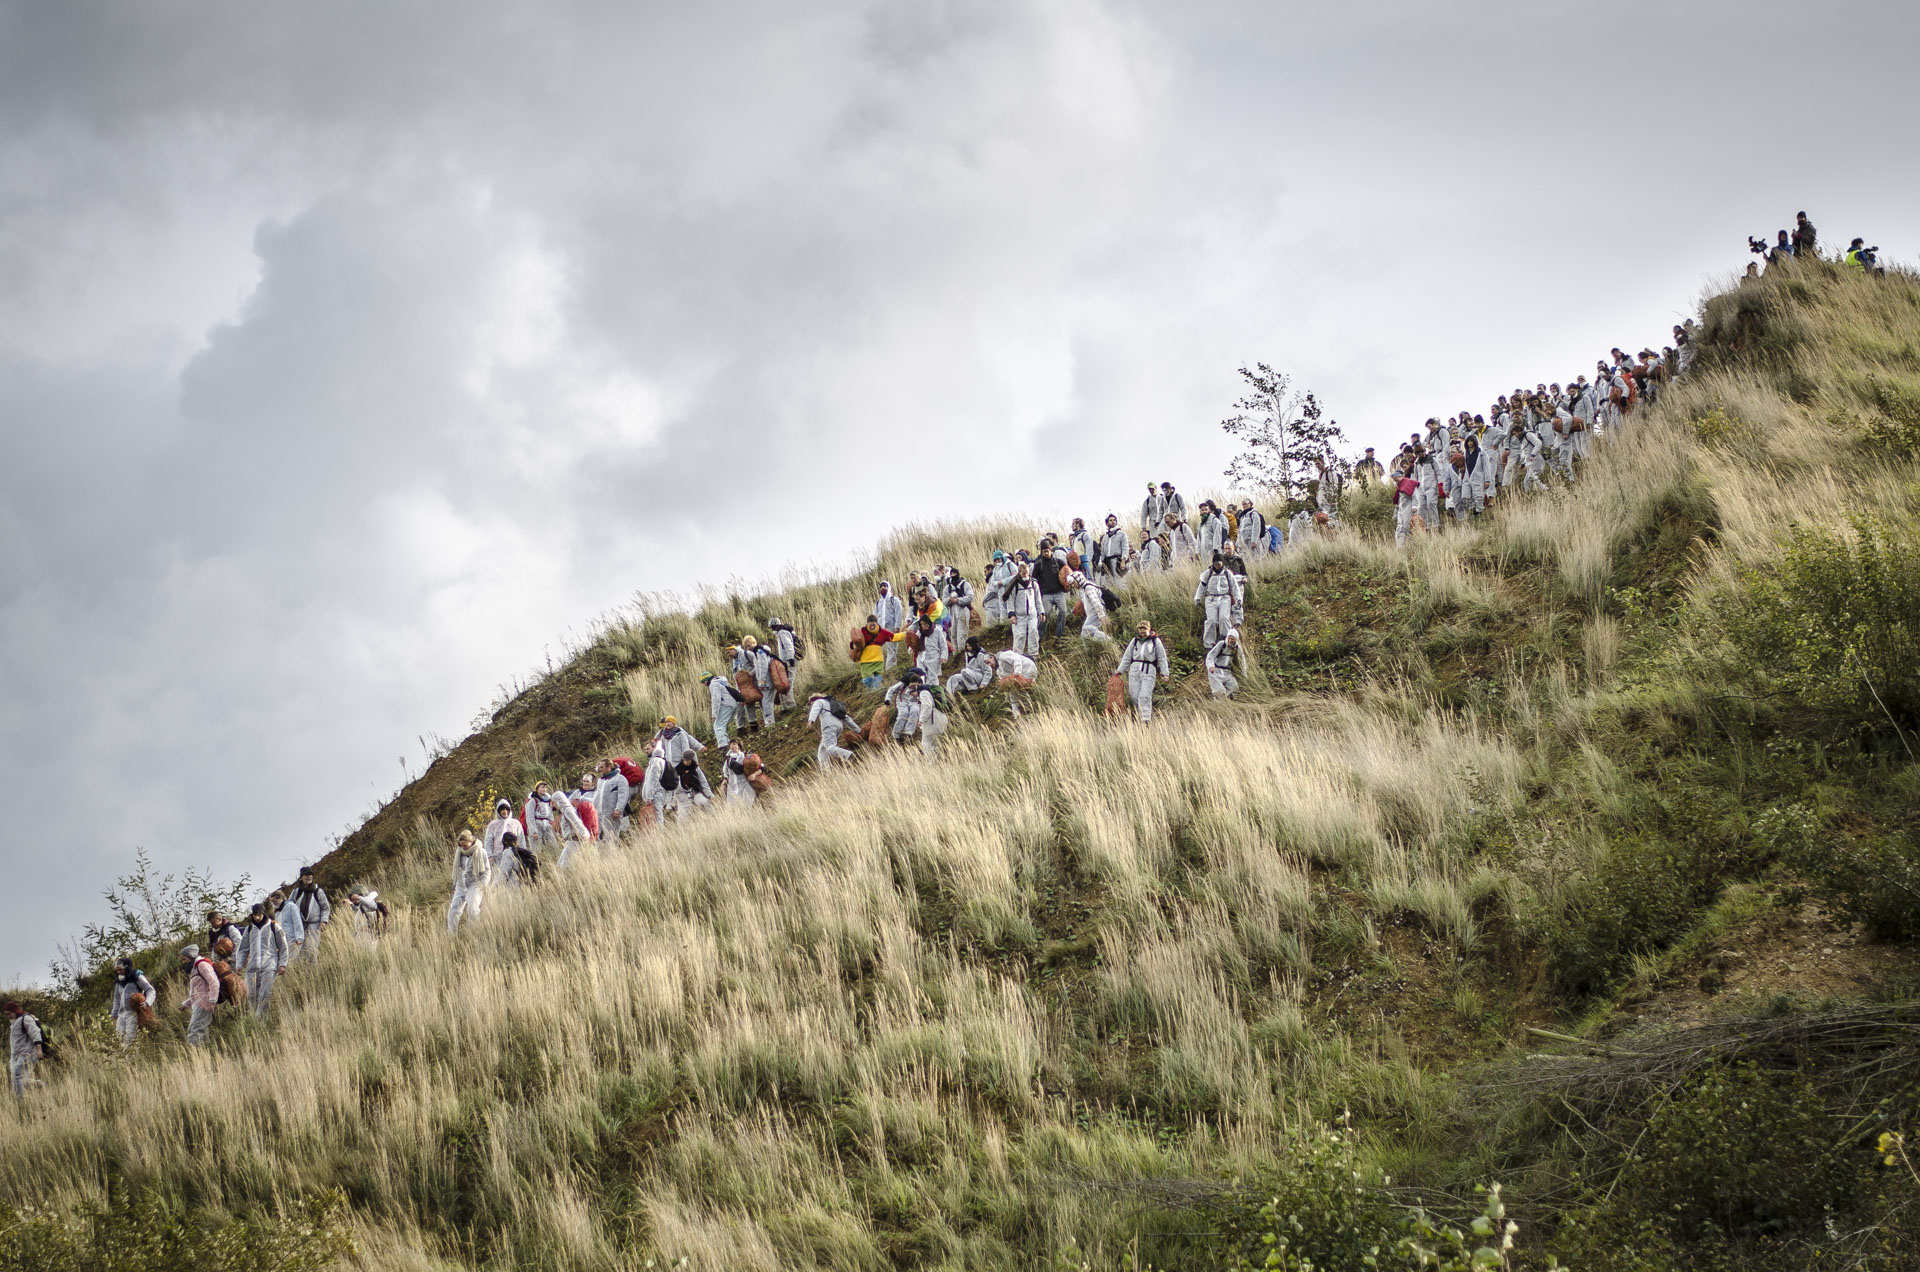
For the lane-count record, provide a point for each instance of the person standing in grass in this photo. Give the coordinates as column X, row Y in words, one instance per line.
column 891, row 613
column 956, row 593
column 723, row 703
column 128, row 982
column 874, row 642
column 496, row 832
column 1144, row 664
column 932, row 719
column 26, row 1045
column 1152, row 510
column 472, row 872
column 611, row 794
column 1253, row 529
column 933, row 650
column 203, row 995
column 263, row 955
column 993, row 602
column 1113, row 551
column 1220, row 659
column 831, row 717
column 283, row 908
column 739, row 788
column 1218, row 594
column 315, row 912
column 1025, row 605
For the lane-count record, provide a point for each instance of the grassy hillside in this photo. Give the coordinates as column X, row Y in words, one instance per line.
column 1573, row 852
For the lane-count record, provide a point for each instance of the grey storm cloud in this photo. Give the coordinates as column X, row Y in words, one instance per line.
column 357, row 356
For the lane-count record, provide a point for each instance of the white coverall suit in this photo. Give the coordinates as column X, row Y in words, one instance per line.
column 472, row 871
column 1114, row 546
column 1220, row 677
column 933, row 654
column 23, row 1052
column 933, row 723
column 1025, row 607
column 1012, row 662
column 892, row 612
column 957, row 595
column 975, row 676
column 831, row 727
column 125, row 1022
column 995, row 603
column 610, row 799
column 905, row 702
column 1143, row 663
column 723, row 701
column 1219, row 591
column 263, row 955
column 1096, row 608
column 739, row 790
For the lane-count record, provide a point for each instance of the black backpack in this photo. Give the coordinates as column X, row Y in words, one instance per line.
column 47, row 1049
column 1110, row 599
column 799, row 646
column 669, row 778
column 838, row 708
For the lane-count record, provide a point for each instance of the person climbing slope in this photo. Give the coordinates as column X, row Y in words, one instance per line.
column 472, row 873
column 1217, row 594
column 128, row 981
column 264, row 954
column 832, row 720
column 1220, row 659
column 1144, row 664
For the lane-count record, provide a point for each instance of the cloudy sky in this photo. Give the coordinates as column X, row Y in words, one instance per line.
column 355, row 356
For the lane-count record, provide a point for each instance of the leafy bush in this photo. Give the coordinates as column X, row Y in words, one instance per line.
column 1834, row 623
column 1736, row 1169
column 1873, row 881
column 152, row 1235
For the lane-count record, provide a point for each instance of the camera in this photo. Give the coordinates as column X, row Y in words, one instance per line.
column 1759, row 247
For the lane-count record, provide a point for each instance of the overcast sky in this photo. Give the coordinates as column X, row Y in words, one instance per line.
column 355, row 355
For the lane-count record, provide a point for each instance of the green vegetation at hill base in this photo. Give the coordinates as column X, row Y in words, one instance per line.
column 1574, row 853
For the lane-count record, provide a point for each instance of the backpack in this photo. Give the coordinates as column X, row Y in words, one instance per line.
column 232, row 988
column 629, row 770
column 799, row 647
column 529, row 863
column 669, row 778
column 1110, row 599
column 939, row 693
column 856, row 644
column 839, row 710
column 47, row 1050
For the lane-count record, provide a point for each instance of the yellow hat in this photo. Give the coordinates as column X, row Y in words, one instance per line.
column 669, row 720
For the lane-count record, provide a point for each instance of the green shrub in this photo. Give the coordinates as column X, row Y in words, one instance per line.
column 153, row 1235
column 1872, row 880
column 1834, row 623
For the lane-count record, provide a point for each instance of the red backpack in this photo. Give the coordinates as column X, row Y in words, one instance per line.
column 629, row 770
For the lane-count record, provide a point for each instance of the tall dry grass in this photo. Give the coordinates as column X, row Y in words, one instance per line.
column 801, row 1039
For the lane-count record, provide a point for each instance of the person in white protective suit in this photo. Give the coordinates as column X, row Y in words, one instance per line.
column 832, row 723
column 1025, row 607
column 472, row 874
column 993, row 598
column 369, row 911
column 1094, row 603
column 1559, row 451
column 1112, row 551
column 1181, row 545
column 977, row 671
column 891, row 610
column 1144, row 664
column 739, row 790
column 1154, row 554
column 724, row 703
column 26, row 1045
column 315, row 911
column 128, row 980
column 1218, row 593
column 263, row 955
column 1213, row 529
column 903, row 698
column 1326, row 494
column 282, row 907
column 956, row 593
column 1253, row 529
column 660, row 786
column 933, row 720
column 692, row 791
column 491, row 838
column 1153, row 510
column 760, row 659
column 1011, row 662
column 540, row 817
column 677, row 741
column 1523, row 453
column 933, row 650
column 1426, row 497
column 783, row 645
column 1220, row 660
column 203, row 995
column 1172, row 503
column 612, row 792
